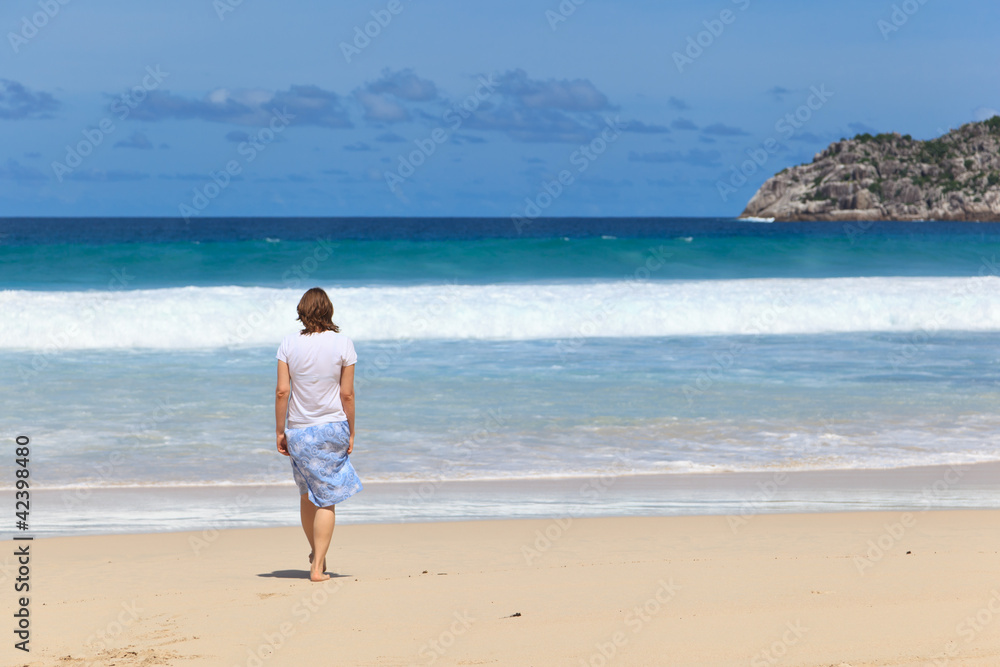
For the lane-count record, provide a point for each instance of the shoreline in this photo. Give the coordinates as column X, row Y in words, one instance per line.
column 112, row 510
column 843, row 588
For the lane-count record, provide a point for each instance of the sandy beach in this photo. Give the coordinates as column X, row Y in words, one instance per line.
column 616, row 334
column 852, row 588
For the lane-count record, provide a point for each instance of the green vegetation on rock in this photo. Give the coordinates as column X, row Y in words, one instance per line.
column 892, row 176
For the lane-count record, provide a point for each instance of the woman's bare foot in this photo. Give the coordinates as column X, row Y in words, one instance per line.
column 322, row 576
column 324, row 565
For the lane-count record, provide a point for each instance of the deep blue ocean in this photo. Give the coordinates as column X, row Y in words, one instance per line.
column 569, row 348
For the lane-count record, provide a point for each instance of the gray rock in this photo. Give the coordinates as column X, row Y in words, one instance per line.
column 892, row 177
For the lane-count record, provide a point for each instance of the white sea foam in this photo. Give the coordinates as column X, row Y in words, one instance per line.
column 207, row 317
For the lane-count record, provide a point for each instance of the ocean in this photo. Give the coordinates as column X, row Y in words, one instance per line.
column 139, row 353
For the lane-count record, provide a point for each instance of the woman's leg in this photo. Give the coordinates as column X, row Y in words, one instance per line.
column 323, row 522
column 308, row 513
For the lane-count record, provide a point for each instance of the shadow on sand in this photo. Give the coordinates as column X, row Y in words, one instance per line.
column 297, row 574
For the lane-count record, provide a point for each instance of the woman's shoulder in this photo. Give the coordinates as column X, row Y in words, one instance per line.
column 319, row 337
column 337, row 337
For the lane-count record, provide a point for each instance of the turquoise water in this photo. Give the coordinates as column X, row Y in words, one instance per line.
column 279, row 257
column 474, row 410
column 674, row 346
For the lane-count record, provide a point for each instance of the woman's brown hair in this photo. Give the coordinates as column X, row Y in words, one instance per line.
column 316, row 312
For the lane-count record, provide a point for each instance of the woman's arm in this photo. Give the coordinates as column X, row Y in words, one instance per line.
column 281, row 405
column 347, row 400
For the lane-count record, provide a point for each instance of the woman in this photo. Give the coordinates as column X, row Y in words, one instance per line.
column 315, row 393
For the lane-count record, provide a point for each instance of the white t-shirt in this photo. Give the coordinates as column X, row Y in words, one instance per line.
column 314, row 364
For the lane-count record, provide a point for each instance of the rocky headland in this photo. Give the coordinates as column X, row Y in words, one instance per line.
column 891, row 177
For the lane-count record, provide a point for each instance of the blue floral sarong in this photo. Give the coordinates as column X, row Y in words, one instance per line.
column 320, row 464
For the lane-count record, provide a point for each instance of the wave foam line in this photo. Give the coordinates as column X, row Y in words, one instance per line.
column 210, row 317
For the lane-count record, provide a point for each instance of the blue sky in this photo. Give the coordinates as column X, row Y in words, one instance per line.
column 209, row 108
